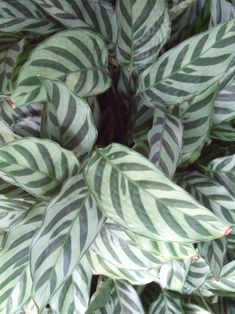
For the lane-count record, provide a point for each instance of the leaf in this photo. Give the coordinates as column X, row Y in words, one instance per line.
column 36, row 165
column 73, row 296
column 214, row 253
column 67, row 119
column 24, row 121
column 179, row 74
column 179, row 8
column 223, row 171
column 6, row 134
column 189, row 308
column 221, row 11
column 112, row 306
column 165, row 140
column 144, row 28
column 143, row 120
column 18, row 16
column 8, row 59
column 211, row 194
column 138, row 197
column 70, row 225
column 114, row 246
column 82, row 66
column 167, row 302
column 224, row 132
column 224, row 108
column 14, row 259
column 226, row 284
column 196, row 123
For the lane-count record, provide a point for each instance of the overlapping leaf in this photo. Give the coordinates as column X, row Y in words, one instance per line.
column 71, row 223
column 190, row 308
column 167, row 302
column 191, row 67
column 224, row 132
column 143, row 30
column 17, row 16
column 67, row 119
column 6, row 134
column 165, row 140
column 38, row 166
column 14, row 259
column 131, row 191
column 76, row 57
column 73, row 296
column 221, row 11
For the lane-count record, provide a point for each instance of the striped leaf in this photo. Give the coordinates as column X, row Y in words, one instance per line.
column 36, row 165
column 223, row 171
column 6, row 134
column 224, row 108
column 18, row 16
column 189, row 68
column 67, row 119
column 196, row 123
column 82, row 66
column 211, row 194
column 214, row 252
column 189, row 308
column 14, row 259
column 169, row 250
column 71, row 223
column 221, row 11
column 112, row 306
column 24, row 121
column 172, row 275
column 224, row 132
column 144, row 28
column 73, row 296
column 114, row 246
column 226, row 283
column 180, row 7
column 100, row 266
column 143, row 120
column 165, row 140
column 98, row 15
column 137, row 196
column 8, row 59
column 196, row 276
column 167, row 302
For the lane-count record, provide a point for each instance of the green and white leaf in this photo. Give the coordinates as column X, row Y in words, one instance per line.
column 82, row 66
column 165, row 140
column 221, row 11
column 211, row 194
column 189, row 308
column 70, row 224
column 214, row 253
column 224, row 132
column 143, row 120
column 223, row 171
column 8, row 59
column 18, row 16
column 73, row 296
column 189, row 68
column 36, row 165
column 114, row 246
column 6, row 134
column 112, row 305
column 167, row 302
column 14, row 259
column 144, row 28
column 67, row 119
column 98, row 15
column 137, row 196
column 180, row 7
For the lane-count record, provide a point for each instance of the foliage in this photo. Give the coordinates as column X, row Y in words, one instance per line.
column 117, row 156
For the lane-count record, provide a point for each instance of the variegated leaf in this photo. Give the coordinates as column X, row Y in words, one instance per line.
column 137, row 196
column 221, row 11
column 165, row 140
column 67, row 119
column 6, row 134
column 82, row 66
column 190, row 308
column 144, row 28
column 167, row 302
column 224, row 132
column 179, row 74
column 70, row 224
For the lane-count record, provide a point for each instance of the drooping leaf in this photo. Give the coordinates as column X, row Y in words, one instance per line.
column 8, row 59
column 132, row 192
column 165, row 140
column 214, row 252
column 179, row 74
column 70, row 224
column 14, row 259
column 67, row 119
column 73, row 296
column 144, row 28
column 98, row 15
column 18, row 16
column 82, row 66
column 167, row 302
column 36, row 165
